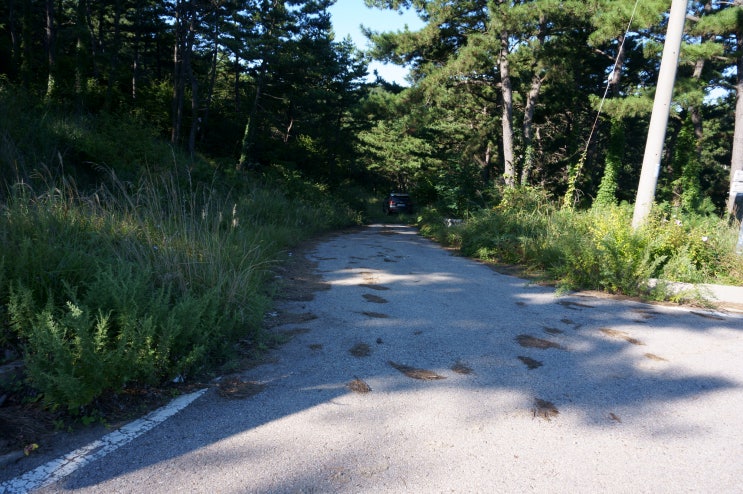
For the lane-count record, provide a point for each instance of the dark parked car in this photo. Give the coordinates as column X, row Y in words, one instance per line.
column 397, row 202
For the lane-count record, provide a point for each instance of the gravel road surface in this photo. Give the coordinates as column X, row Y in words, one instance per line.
column 415, row 370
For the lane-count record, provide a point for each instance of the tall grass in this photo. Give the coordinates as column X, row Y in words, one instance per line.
column 140, row 283
column 597, row 248
column 134, row 278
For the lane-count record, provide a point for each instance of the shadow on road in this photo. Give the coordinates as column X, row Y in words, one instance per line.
column 519, row 370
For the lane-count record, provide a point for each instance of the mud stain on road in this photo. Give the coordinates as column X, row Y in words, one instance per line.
column 655, row 357
column 569, row 304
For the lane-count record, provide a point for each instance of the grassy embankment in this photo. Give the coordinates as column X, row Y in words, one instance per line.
column 597, row 249
column 109, row 283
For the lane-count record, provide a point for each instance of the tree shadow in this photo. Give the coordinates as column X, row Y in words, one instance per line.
column 533, row 361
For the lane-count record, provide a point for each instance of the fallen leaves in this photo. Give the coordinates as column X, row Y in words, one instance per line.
column 416, row 373
column 359, row 386
column 621, row 335
column 544, row 409
column 529, row 341
column 236, row 388
column 531, row 363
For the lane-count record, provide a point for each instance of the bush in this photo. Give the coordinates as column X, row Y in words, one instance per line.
column 138, row 283
column 597, row 248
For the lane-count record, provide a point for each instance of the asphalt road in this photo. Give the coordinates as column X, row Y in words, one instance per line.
column 420, row 371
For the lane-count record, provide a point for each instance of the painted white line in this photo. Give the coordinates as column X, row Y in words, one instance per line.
column 55, row 470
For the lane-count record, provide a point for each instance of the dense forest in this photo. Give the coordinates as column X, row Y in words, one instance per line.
column 555, row 94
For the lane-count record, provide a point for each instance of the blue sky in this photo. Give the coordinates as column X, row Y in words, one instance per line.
column 349, row 15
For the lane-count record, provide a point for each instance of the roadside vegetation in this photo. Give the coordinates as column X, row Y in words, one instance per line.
column 130, row 283
column 596, row 248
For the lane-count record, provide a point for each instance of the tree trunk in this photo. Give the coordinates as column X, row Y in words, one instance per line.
column 80, row 53
column 135, row 56
column 188, row 71
column 616, row 74
column 212, row 79
column 695, row 111
column 736, row 162
column 50, row 47
column 530, row 106
column 238, row 69
column 178, row 75
column 509, row 173
column 15, row 45
column 246, row 155
column 114, row 62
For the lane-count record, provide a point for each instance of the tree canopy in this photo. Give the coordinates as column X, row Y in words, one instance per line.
column 545, row 93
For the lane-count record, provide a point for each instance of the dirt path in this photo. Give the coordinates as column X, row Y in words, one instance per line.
column 413, row 370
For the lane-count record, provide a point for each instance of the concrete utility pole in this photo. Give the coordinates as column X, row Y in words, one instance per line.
column 659, row 117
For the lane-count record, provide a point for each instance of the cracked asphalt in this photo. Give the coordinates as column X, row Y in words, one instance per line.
column 419, row 371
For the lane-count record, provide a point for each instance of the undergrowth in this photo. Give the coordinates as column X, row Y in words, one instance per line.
column 140, row 283
column 597, row 248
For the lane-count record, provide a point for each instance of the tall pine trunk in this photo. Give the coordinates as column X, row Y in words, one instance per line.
column 736, row 162
column 50, row 48
column 509, row 172
column 178, row 74
column 530, row 106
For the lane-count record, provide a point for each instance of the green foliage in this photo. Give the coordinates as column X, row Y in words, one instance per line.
column 597, row 248
column 606, row 195
column 140, row 281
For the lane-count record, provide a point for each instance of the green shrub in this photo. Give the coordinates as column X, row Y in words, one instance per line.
column 139, row 283
column 597, row 248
